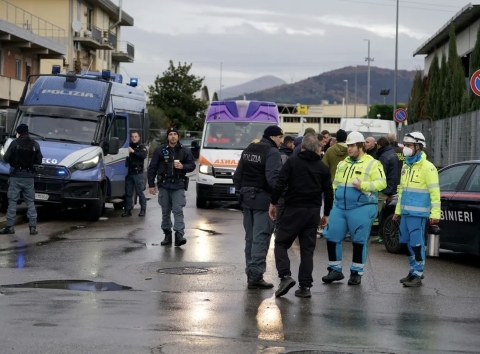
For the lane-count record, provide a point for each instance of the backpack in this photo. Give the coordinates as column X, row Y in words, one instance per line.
column 25, row 154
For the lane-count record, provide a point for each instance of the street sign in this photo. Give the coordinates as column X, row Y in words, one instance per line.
column 400, row 115
column 302, row 109
column 475, row 83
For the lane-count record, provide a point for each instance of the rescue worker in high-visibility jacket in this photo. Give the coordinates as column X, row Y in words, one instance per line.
column 418, row 201
column 358, row 179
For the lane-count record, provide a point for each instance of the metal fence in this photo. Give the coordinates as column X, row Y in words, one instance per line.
column 450, row 140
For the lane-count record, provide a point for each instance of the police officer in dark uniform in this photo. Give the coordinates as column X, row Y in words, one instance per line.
column 170, row 164
column 254, row 179
column 22, row 155
column 134, row 179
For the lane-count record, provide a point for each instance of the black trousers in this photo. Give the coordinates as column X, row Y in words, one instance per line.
column 301, row 222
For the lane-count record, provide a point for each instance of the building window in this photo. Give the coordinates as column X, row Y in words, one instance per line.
column 331, row 120
column 18, row 69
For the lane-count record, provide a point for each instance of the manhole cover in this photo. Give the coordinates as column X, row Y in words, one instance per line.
column 182, row 271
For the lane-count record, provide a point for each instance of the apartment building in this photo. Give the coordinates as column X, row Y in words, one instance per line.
column 92, row 33
column 25, row 40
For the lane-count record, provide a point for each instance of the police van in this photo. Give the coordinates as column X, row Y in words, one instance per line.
column 82, row 124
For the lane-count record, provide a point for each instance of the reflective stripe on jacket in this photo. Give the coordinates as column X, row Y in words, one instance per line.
column 419, row 193
column 369, row 171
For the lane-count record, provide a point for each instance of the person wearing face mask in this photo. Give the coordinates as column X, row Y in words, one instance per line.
column 23, row 155
column 219, row 137
column 418, row 201
column 357, row 181
column 254, row 180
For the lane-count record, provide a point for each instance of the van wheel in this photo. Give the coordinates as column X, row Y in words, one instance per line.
column 201, row 203
column 390, row 234
column 95, row 210
column 3, row 204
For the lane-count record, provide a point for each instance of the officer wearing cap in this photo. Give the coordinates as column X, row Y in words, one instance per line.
column 22, row 155
column 170, row 164
column 254, row 179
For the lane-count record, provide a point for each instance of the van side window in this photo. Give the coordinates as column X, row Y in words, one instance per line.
column 135, row 124
column 119, row 129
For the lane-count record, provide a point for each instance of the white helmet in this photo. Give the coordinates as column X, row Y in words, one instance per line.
column 355, row 137
column 415, row 138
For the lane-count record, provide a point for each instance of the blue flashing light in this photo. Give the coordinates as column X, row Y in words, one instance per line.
column 56, row 69
column 106, row 74
column 61, row 172
column 133, row 82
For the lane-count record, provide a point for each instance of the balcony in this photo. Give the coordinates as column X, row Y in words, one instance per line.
column 94, row 38
column 23, row 30
column 10, row 91
column 125, row 52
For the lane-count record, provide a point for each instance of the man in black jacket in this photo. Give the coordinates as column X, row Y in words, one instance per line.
column 134, row 179
column 170, row 164
column 392, row 138
column 23, row 155
column 389, row 159
column 306, row 177
column 254, row 179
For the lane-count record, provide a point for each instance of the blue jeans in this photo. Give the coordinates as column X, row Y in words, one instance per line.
column 17, row 185
column 172, row 201
column 134, row 182
column 258, row 232
column 358, row 222
column 412, row 233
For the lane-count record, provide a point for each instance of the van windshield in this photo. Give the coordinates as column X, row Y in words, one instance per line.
column 81, row 131
column 228, row 136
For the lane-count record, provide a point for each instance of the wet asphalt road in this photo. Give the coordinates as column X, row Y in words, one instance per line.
column 208, row 308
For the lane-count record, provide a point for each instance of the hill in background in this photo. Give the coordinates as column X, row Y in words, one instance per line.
column 259, row 84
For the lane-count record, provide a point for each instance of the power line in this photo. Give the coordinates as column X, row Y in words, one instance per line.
column 406, row 7
column 424, row 3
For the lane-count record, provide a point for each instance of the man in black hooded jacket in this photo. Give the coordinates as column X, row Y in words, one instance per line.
column 306, row 177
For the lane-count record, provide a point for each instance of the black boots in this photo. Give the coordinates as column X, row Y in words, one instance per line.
column 127, row 213
column 285, row 284
column 179, row 239
column 9, row 230
column 168, row 238
column 259, row 284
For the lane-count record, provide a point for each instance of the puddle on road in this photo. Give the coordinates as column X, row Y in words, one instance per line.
column 79, row 285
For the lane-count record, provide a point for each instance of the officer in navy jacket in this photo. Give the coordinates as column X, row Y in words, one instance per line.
column 170, row 164
column 23, row 155
column 254, row 178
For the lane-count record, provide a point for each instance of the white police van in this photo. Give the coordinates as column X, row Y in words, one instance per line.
column 82, row 124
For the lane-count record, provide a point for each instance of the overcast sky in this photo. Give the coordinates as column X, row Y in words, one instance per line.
column 291, row 39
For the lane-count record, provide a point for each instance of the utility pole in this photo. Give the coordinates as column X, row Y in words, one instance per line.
column 355, row 107
column 221, row 70
column 368, row 59
column 396, row 65
column 346, row 99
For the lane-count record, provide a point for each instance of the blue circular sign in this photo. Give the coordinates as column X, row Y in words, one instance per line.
column 400, row 115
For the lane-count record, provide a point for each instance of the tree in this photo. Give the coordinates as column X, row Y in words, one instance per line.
column 475, row 65
column 215, row 97
column 174, row 93
column 455, row 83
column 385, row 111
column 430, row 108
column 466, row 104
column 420, row 114
column 415, row 97
column 441, row 105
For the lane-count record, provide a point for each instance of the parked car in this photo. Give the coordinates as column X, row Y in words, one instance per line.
column 460, row 217
column 193, row 144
